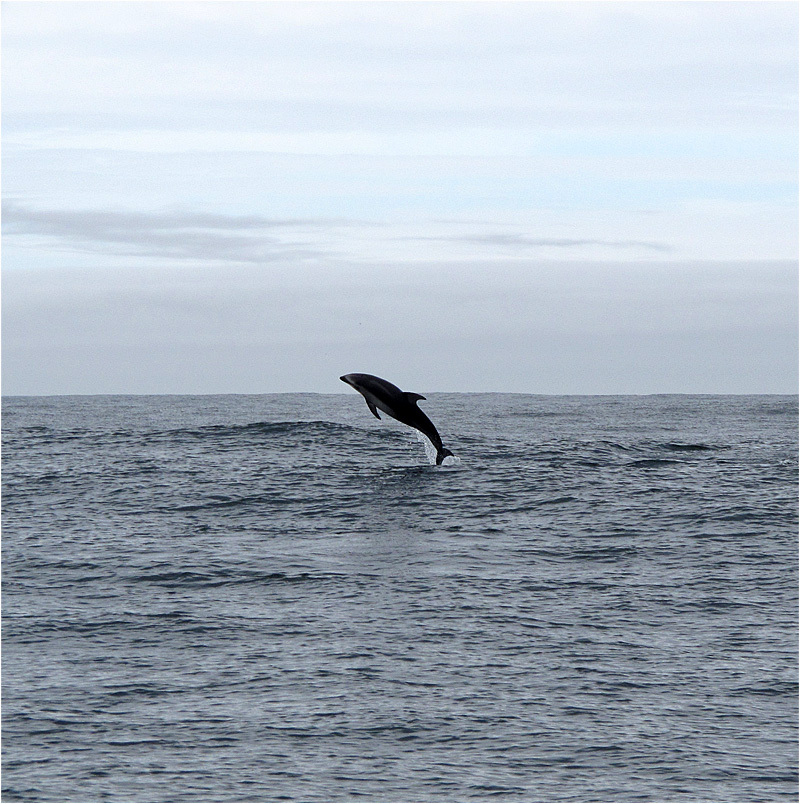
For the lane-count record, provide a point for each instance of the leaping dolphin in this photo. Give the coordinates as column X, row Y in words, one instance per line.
column 400, row 405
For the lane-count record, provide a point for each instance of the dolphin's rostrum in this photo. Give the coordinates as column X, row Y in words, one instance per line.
column 401, row 405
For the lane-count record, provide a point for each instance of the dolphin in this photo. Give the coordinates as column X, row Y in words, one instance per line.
column 400, row 405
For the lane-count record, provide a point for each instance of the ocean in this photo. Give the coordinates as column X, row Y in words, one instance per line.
column 278, row 598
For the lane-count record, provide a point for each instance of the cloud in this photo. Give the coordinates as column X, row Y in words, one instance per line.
column 170, row 234
column 503, row 239
column 545, row 64
column 551, row 124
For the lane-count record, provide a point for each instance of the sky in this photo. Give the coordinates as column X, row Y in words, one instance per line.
column 535, row 197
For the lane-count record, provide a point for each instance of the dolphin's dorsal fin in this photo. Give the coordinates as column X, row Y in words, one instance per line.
column 373, row 409
column 412, row 397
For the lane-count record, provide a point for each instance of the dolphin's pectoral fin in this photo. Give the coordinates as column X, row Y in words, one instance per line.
column 373, row 409
column 412, row 397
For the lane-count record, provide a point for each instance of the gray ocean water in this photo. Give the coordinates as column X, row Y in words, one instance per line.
column 270, row 598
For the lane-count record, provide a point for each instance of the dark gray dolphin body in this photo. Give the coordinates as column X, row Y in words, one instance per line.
column 401, row 405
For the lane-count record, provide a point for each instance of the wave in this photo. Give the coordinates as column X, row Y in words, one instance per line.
column 47, row 435
column 266, row 429
column 234, row 577
column 652, row 462
column 673, row 447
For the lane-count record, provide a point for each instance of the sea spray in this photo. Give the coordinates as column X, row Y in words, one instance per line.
column 430, row 450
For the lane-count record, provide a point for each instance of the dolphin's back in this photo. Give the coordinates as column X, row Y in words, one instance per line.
column 378, row 384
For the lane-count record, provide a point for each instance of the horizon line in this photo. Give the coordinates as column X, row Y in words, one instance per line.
column 345, row 393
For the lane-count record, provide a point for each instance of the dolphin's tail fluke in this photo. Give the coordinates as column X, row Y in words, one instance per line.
column 442, row 454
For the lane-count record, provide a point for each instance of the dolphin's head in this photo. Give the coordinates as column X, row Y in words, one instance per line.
column 356, row 380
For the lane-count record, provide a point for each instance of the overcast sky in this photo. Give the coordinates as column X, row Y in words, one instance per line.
column 538, row 197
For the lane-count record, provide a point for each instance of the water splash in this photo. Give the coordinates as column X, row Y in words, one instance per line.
column 430, row 451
